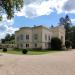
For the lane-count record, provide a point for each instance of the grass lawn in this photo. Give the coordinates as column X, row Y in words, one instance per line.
column 29, row 52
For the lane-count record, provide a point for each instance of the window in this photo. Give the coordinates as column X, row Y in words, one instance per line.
column 27, row 37
column 17, row 45
column 35, row 36
column 21, row 45
column 21, row 36
column 17, row 38
column 49, row 37
column 61, row 38
column 45, row 37
column 27, row 45
column 35, row 45
column 45, row 44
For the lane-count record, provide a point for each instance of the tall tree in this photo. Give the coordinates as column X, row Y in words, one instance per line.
column 67, row 25
column 3, row 41
column 9, row 7
column 73, row 36
column 7, row 37
column 12, row 37
column 62, row 21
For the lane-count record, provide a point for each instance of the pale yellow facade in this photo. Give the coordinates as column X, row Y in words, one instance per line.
column 38, row 36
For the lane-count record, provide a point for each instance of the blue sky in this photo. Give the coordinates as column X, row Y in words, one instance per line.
column 46, row 20
column 38, row 12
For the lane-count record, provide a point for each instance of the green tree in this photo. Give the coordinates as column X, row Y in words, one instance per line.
column 3, row 41
column 12, row 37
column 7, row 37
column 67, row 44
column 9, row 7
column 56, row 44
column 67, row 25
column 62, row 21
column 73, row 36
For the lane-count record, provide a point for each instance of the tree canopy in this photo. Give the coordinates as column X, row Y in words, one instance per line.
column 9, row 7
column 72, row 36
column 56, row 43
column 7, row 38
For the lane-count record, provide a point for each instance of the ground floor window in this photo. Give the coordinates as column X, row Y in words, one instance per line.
column 62, row 38
column 45, row 44
column 21, row 45
column 27, row 45
column 49, row 45
column 35, row 45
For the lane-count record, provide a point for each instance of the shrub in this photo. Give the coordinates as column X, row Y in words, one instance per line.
column 56, row 44
column 67, row 44
column 24, row 51
column 73, row 44
column 4, row 49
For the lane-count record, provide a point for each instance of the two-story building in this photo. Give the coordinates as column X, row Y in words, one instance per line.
column 38, row 36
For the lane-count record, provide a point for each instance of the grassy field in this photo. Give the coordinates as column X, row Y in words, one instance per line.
column 29, row 52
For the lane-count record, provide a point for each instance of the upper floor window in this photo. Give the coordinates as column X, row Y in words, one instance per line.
column 35, row 36
column 49, row 37
column 17, row 38
column 45, row 37
column 27, row 37
column 21, row 36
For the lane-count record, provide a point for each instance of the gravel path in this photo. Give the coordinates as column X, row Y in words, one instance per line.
column 59, row 63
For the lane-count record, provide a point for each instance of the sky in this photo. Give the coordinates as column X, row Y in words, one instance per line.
column 38, row 12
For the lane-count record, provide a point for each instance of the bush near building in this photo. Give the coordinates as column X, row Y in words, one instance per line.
column 4, row 49
column 24, row 51
column 67, row 44
column 56, row 44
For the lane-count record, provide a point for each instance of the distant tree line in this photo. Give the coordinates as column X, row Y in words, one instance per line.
column 8, row 38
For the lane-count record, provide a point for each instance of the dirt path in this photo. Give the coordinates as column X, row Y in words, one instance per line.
column 59, row 63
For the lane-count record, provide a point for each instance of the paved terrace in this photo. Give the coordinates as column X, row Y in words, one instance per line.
column 59, row 63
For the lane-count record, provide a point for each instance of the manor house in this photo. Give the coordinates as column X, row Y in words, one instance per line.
column 38, row 36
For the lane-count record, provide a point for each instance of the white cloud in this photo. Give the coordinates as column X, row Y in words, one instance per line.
column 44, row 9
column 22, row 12
column 6, row 26
column 69, row 6
column 34, row 8
column 59, row 4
